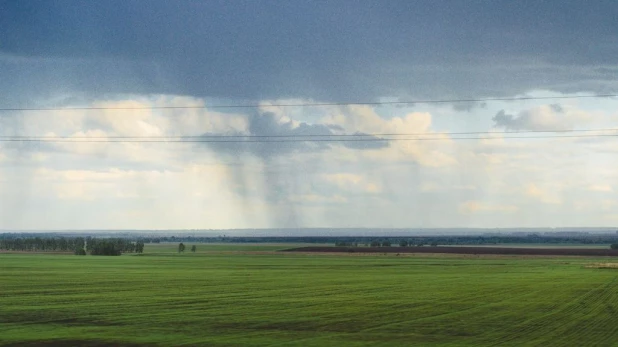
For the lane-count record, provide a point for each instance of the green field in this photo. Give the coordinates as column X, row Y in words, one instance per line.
column 220, row 298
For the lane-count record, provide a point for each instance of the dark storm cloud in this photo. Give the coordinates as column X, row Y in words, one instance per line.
column 366, row 141
column 557, row 108
column 426, row 49
column 538, row 119
column 468, row 106
column 268, row 136
column 507, row 121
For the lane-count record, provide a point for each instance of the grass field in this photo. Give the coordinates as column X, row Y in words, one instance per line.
column 279, row 299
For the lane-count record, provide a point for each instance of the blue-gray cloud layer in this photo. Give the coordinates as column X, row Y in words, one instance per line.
column 331, row 50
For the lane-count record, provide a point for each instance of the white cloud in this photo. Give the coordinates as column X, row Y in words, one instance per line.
column 485, row 182
column 364, row 119
column 430, row 187
column 117, row 183
column 111, row 119
column 352, row 182
column 601, row 188
column 199, row 196
column 611, row 217
column 436, row 187
column 284, row 114
column 465, row 187
column 545, row 117
column 534, row 191
column 474, row 207
column 318, row 199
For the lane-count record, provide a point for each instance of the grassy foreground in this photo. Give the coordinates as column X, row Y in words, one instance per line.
column 226, row 299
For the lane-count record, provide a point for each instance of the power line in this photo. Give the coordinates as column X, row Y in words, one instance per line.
column 102, row 140
column 302, row 136
column 376, row 103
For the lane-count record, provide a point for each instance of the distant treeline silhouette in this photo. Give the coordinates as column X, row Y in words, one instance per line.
column 77, row 245
column 134, row 243
column 398, row 240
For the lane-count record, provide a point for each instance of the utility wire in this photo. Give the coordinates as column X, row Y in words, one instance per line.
column 301, row 137
column 376, row 103
column 102, row 140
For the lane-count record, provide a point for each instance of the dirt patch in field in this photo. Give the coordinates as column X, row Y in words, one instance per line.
column 433, row 255
column 462, row 250
column 603, row 266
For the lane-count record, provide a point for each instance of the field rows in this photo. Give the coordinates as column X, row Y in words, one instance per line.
column 300, row 300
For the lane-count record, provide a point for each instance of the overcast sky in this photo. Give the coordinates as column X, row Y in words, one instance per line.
column 111, row 54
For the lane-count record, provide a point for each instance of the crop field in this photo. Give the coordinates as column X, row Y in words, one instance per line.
column 209, row 298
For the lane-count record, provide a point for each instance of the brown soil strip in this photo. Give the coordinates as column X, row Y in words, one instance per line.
column 603, row 266
column 464, row 250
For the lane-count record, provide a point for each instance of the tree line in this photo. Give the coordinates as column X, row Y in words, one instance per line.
column 77, row 245
column 112, row 246
column 411, row 240
column 486, row 239
column 119, row 245
column 41, row 244
column 405, row 243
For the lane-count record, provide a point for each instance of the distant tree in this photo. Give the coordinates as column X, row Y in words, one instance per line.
column 386, row 243
column 80, row 251
column 193, row 248
column 434, row 244
column 104, row 247
column 614, row 246
column 181, row 247
column 139, row 247
column 375, row 243
column 403, row 243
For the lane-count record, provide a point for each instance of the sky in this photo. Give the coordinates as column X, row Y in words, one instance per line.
column 179, row 61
